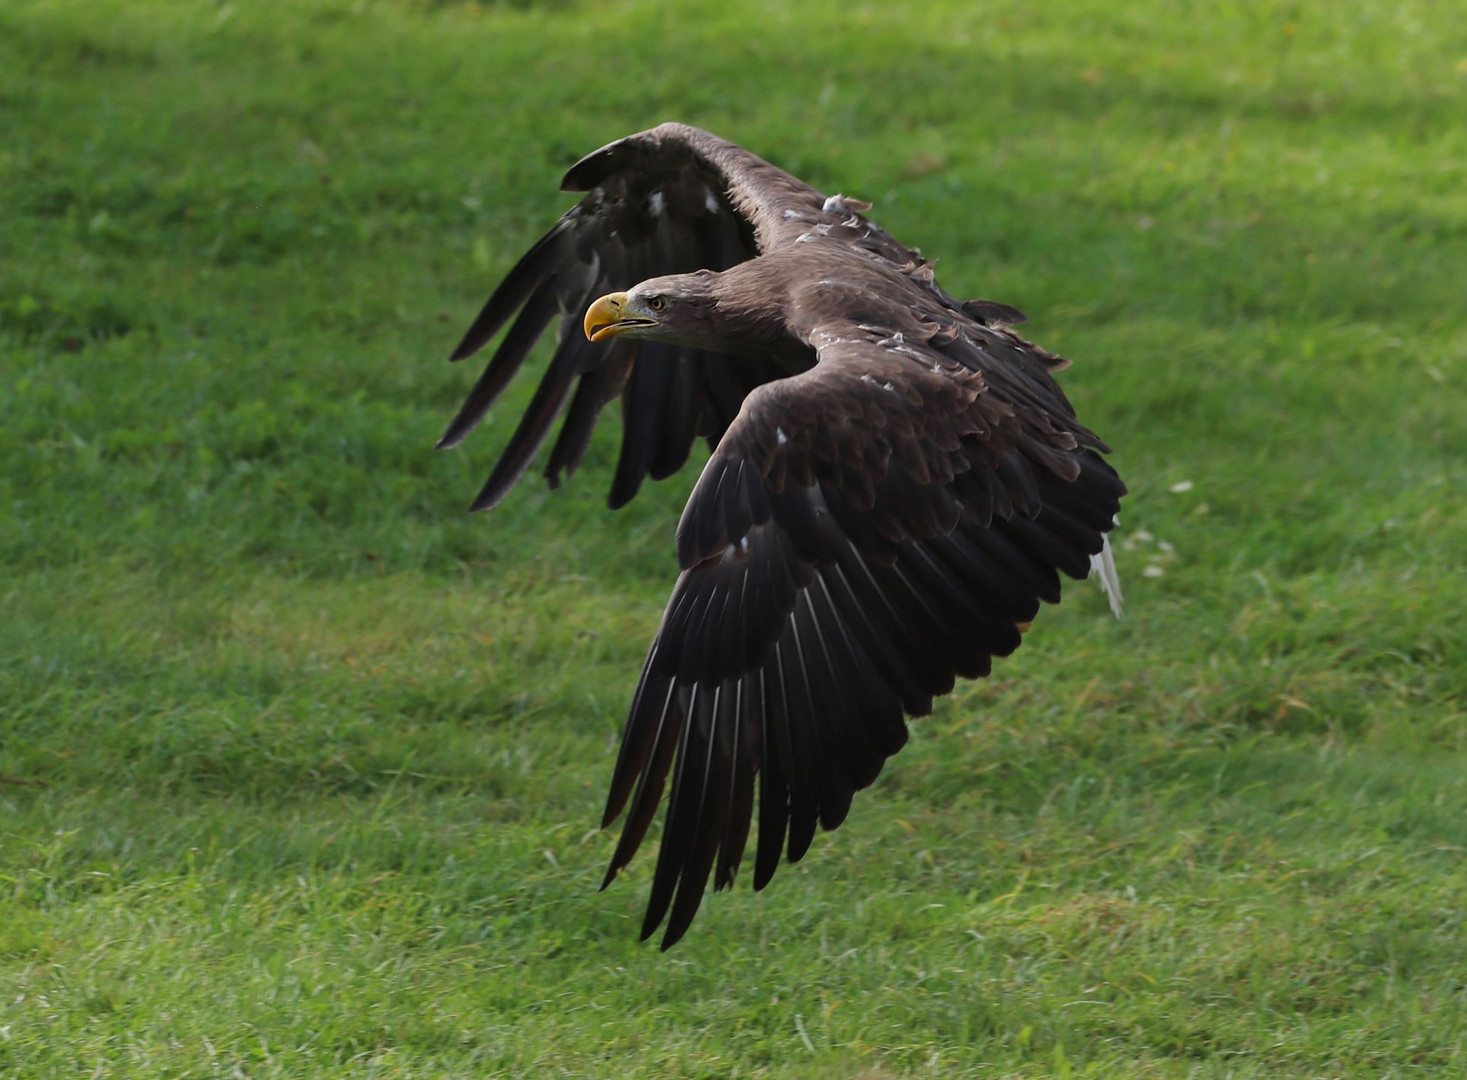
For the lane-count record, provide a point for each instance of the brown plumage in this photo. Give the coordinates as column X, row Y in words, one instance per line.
column 896, row 482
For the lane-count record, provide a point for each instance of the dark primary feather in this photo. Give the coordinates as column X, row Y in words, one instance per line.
column 897, row 483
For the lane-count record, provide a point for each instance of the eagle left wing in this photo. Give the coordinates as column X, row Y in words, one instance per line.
column 864, row 533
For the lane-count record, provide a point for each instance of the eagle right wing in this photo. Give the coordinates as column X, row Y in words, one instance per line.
column 671, row 200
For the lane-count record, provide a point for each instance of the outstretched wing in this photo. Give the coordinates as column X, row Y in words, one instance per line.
column 670, row 200
column 865, row 532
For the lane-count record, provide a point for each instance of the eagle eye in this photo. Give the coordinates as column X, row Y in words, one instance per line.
column 657, row 303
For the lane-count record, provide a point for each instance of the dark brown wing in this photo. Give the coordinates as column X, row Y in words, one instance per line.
column 670, row 200
column 864, row 533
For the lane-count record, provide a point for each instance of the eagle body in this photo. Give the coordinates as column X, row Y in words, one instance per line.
column 895, row 485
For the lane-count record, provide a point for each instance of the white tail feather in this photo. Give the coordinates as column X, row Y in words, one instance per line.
column 1103, row 566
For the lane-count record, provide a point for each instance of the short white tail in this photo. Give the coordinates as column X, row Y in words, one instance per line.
column 1103, row 566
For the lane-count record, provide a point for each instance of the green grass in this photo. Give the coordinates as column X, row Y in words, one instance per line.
column 300, row 764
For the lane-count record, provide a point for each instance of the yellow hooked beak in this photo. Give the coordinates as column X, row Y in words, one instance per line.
column 604, row 318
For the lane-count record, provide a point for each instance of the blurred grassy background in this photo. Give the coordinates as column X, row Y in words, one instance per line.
column 299, row 763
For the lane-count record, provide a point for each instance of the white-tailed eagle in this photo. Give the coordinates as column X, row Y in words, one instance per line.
column 896, row 482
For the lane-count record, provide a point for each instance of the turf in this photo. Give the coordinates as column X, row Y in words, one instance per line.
column 300, row 764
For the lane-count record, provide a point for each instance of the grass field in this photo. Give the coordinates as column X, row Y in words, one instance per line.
column 300, row 764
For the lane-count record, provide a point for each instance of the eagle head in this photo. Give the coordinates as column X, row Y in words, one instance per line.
column 674, row 309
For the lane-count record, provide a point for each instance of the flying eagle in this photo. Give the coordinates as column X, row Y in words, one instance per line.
column 895, row 481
